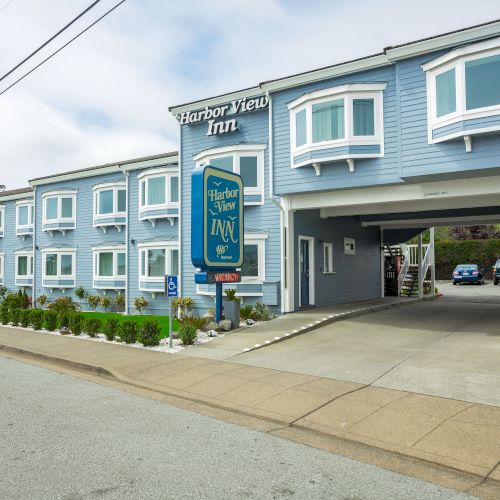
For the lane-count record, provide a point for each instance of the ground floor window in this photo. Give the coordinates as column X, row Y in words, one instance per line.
column 24, row 265
column 253, row 268
column 157, row 262
column 110, row 263
column 58, row 264
column 327, row 258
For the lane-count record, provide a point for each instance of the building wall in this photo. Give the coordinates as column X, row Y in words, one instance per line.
column 356, row 277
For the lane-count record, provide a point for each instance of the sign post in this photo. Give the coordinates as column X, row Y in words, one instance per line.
column 217, row 228
column 171, row 291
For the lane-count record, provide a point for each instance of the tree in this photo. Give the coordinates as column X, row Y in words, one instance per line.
column 482, row 232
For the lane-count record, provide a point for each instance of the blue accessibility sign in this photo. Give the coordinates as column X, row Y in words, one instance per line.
column 171, row 286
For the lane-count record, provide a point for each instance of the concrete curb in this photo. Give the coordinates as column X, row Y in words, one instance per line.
column 327, row 320
column 284, row 424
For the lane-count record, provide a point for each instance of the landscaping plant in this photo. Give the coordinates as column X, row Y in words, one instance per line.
column 51, row 320
column 92, row 326
column 93, row 301
column 76, row 324
column 140, row 303
column 182, row 305
column 41, row 299
column 15, row 314
column 120, row 302
column 37, row 317
column 246, row 312
column 25, row 317
column 3, row 293
column 197, row 321
column 150, row 333
column 128, row 331
column 4, row 315
column 110, row 328
column 187, row 333
column 105, row 302
column 62, row 305
column 64, row 318
column 80, row 293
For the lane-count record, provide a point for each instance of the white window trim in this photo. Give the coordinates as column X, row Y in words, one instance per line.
column 456, row 60
column 2, row 220
column 59, row 252
column 59, row 195
column 2, row 265
column 30, row 266
column 237, row 152
column 168, row 246
column 330, row 259
column 115, row 249
column 143, row 177
column 111, row 186
column 31, row 215
column 348, row 93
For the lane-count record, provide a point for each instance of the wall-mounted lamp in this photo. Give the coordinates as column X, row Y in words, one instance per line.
column 132, row 242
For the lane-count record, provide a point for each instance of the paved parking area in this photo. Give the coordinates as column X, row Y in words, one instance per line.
column 447, row 347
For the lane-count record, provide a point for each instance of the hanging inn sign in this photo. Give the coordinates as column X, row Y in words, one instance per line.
column 223, row 119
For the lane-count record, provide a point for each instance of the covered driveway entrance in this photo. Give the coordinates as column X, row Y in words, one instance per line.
column 448, row 347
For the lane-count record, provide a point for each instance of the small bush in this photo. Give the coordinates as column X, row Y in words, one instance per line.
column 42, row 299
column 4, row 315
column 15, row 315
column 110, row 328
column 25, row 317
column 105, row 302
column 261, row 312
column 19, row 300
column 64, row 319
column 37, row 317
column 3, row 292
column 62, row 305
column 93, row 301
column 197, row 321
column 120, row 301
column 230, row 294
column 80, row 293
column 150, row 333
column 182, row 305
column 140, row 303
column 92, row 326
column 51, row 320
column 128, row 331
column 76, row 324
column 246, row 312
column 187, row 333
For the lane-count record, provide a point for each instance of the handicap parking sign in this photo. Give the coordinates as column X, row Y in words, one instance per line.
column 171, row 286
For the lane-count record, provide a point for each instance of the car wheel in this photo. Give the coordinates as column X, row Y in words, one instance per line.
column 495, row 282
column 454, row 282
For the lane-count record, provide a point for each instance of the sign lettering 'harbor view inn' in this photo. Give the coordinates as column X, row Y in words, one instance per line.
column 337, row 164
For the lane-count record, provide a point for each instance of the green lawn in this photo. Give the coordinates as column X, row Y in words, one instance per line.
column 163, row 320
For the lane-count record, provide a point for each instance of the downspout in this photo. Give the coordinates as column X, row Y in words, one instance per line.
column 127, row 244
column 33, row 289
column 179, row 218
column 270, row 147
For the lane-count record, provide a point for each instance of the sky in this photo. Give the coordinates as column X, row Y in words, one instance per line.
column 105, row 97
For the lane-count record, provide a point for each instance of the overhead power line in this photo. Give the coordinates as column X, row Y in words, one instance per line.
column 49, row 40
column 6, row 5
column 62, row 47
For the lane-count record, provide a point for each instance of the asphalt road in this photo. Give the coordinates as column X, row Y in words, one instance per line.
column 62, row 437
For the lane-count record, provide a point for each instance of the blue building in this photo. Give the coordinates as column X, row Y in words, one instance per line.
column 342, row 163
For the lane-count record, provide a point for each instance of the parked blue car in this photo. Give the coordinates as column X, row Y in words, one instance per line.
column 468, row 273
column 496, row 272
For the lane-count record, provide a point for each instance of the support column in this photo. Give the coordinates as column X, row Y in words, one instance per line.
column 288, row 258
column 420, row 277
column 433, row 263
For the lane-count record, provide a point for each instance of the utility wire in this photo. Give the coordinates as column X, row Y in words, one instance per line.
column 50, row 39
column 61, row 48
column 6, row 5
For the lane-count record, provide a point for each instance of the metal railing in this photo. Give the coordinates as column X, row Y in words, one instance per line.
column 405, row 252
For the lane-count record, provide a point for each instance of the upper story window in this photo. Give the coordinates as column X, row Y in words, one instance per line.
column 341, row 122
column 25, row 214
column 246, row 160
column 59, row 211
column 110, row 205
column 159, row 194
column 462, row 87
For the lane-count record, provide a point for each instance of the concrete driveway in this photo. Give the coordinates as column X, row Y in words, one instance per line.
column 447, row 347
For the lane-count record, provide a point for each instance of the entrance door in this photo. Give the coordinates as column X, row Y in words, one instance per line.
column 306, row 246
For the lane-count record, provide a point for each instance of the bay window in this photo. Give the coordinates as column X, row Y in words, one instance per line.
column 59, row 211
column 156, row 260
column 24, row 218
column 343, row 122
column 58, row 267
column 24, row 268
column 462, row 90
column 110, row 205
column 246, row 160
column 110, row 267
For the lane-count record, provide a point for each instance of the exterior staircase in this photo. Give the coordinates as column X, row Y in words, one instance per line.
column 409, row 285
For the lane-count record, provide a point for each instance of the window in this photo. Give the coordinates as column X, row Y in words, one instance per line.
column 246, row 160
column 252, row 270
column 24, row 267
column 157, row 259
column 59, row 209
column 462, row 85
column 2, row 262
column 327, row 258
column 59, row 264
column 110, row 263
column 24, row 217
column 159, row 188
column 341, row 116
column 2, row 219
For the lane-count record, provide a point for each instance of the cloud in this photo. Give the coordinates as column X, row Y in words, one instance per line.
column 105, row 97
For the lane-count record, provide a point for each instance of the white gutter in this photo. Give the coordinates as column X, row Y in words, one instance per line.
column 33, row 289
column 270, row 147
column 127, row 239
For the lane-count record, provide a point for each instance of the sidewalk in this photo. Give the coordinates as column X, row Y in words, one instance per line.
column 456, row 435
column 289, row 325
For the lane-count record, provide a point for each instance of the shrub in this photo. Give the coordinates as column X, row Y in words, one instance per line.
column 4, row 315
column 15, row 315
column 182, row 305
column 41, row 299
column 62, row 305
column 105, row 302
column 64, row 318
column 110, row 328
column 25, row 317
column 19, row 300
column 51, row 320
column 120, row 301
column 230, row 294
column 37, row 317
column 246, row 312
column 140, row 303
column 197, row 321
column 93, row 301
column 187, row 333
column 128, row 331
column 92, row 326
column 3, row 292
column 80, row 293
column 261, row 312
column 76, row 324
column 149, row 334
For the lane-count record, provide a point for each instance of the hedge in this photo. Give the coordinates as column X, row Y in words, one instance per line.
column 450, row 253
